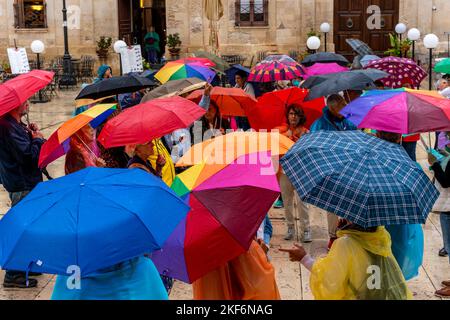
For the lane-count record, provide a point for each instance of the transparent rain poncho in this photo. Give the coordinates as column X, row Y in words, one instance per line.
column 360, row 265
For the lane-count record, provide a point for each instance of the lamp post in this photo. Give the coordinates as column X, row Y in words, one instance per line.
column 313, row 43
column 431, row 41
column 414, row 35
column 400, row 29
column 68, row 78
column 118, row 45
column 37, row 46
column 325, row 28
column 448, row 43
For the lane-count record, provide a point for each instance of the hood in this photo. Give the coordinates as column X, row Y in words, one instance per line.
column 102, row 70
column 378, row 242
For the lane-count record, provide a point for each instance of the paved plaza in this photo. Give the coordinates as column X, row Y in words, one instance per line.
column 293, row 279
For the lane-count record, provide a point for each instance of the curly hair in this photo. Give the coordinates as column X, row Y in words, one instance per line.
column 298, row 111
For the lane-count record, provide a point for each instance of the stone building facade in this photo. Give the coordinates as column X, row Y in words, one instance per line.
column 288, row 22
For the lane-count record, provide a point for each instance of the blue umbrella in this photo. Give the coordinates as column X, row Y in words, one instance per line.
column 231, row 73
column 361, row 178
column 368, row 58
column 92, row 219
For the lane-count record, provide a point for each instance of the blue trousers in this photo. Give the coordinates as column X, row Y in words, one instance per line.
column 445, row 225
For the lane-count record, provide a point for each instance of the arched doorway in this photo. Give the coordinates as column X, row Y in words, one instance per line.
column 352, row 20
column 137, row 17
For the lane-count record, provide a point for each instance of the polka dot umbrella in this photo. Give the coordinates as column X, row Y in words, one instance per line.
column 400, row 71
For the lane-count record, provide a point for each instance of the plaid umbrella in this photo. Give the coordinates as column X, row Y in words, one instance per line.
column 276, row 68
column 399, row 69
column 360, row 47
column 360, row 178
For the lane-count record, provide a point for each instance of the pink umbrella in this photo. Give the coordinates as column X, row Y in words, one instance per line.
column 16, row 91
column 400, row 70
column 318, row 69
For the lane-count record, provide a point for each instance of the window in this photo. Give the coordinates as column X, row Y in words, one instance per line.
column 252, row 12
column 30, row 14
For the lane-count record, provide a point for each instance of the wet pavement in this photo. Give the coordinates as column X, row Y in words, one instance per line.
column 292, row 278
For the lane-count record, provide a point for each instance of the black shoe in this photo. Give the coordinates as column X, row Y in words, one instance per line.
column 443, row 253
column 19, row 281
column 34, row 274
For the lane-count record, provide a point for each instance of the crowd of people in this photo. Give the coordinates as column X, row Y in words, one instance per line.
column 342, row 274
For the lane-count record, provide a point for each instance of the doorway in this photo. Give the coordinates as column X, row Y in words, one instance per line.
column 138, row 17
column 351, row 21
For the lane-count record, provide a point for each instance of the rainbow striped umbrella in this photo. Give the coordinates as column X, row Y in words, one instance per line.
column 59, row 142
column 186, row 68
column 276, row 68
column 404, row 111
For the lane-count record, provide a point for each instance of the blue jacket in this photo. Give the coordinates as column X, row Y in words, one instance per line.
column 325, row 123
column 19, row 155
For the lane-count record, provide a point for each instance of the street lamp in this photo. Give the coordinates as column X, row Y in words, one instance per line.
column 400, row 29
column 313, row 43
column 38, row 47
column 414, row 35
column 68, row 78
column 431, row 41
column 325, row 28
column 119, row 44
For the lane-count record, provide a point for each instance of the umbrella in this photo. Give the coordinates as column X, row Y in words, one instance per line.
column 270, row 111
column 228, row 204
column 276, row 68
column 93, row 219
column 325, row 57
column 367, row 59
column 324, row 85
column 231, row 101
column 398, row 70
column 366, row 180
column 227, row 148
column 443, row 66
column 14, row 92
column 221, row 65
column 185, row 68
column 402, row 110
column 231, row 73
column 59, row 142
column 149, row 120
column 115, row 86
column 318, row 69
column 172, row 87
column 360, row 47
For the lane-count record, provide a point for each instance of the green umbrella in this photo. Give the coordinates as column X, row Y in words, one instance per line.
column 221, row 65
column 443, row 66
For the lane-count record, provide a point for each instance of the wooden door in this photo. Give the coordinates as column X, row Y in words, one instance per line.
column 350, row 21
column 125, row 21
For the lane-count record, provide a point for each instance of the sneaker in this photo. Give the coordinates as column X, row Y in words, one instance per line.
column 443, row 253
column 19, row 282
column 306, row 236
column 330, row 243
column 443, row 293
column 290, row 234
column 278, row 204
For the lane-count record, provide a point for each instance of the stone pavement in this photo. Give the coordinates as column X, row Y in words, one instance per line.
column 292, row 278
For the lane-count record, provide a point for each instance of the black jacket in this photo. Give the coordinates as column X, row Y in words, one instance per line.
column 442, row 177
column 19, row 155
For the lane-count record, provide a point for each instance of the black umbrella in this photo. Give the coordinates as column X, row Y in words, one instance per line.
column 325, row 57
column 324, row 85
column 115, row 86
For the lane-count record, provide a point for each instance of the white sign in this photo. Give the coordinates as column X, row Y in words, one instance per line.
column 18, row 60
column 131, row 59
column 74, row 17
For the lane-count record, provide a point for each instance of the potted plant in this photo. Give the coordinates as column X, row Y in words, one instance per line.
column 399, row 48
column 174, row 43
column 103, row 47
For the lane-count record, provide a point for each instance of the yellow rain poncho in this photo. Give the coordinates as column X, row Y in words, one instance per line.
column 168, row 171
column 360, row 265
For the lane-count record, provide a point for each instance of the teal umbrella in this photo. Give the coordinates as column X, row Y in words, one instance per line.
column 443, row 66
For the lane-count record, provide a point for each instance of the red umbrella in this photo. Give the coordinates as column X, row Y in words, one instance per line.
column 270, row 111
column 232, row 102
column 148, row 121
column 15, row 92
column 204, row 61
